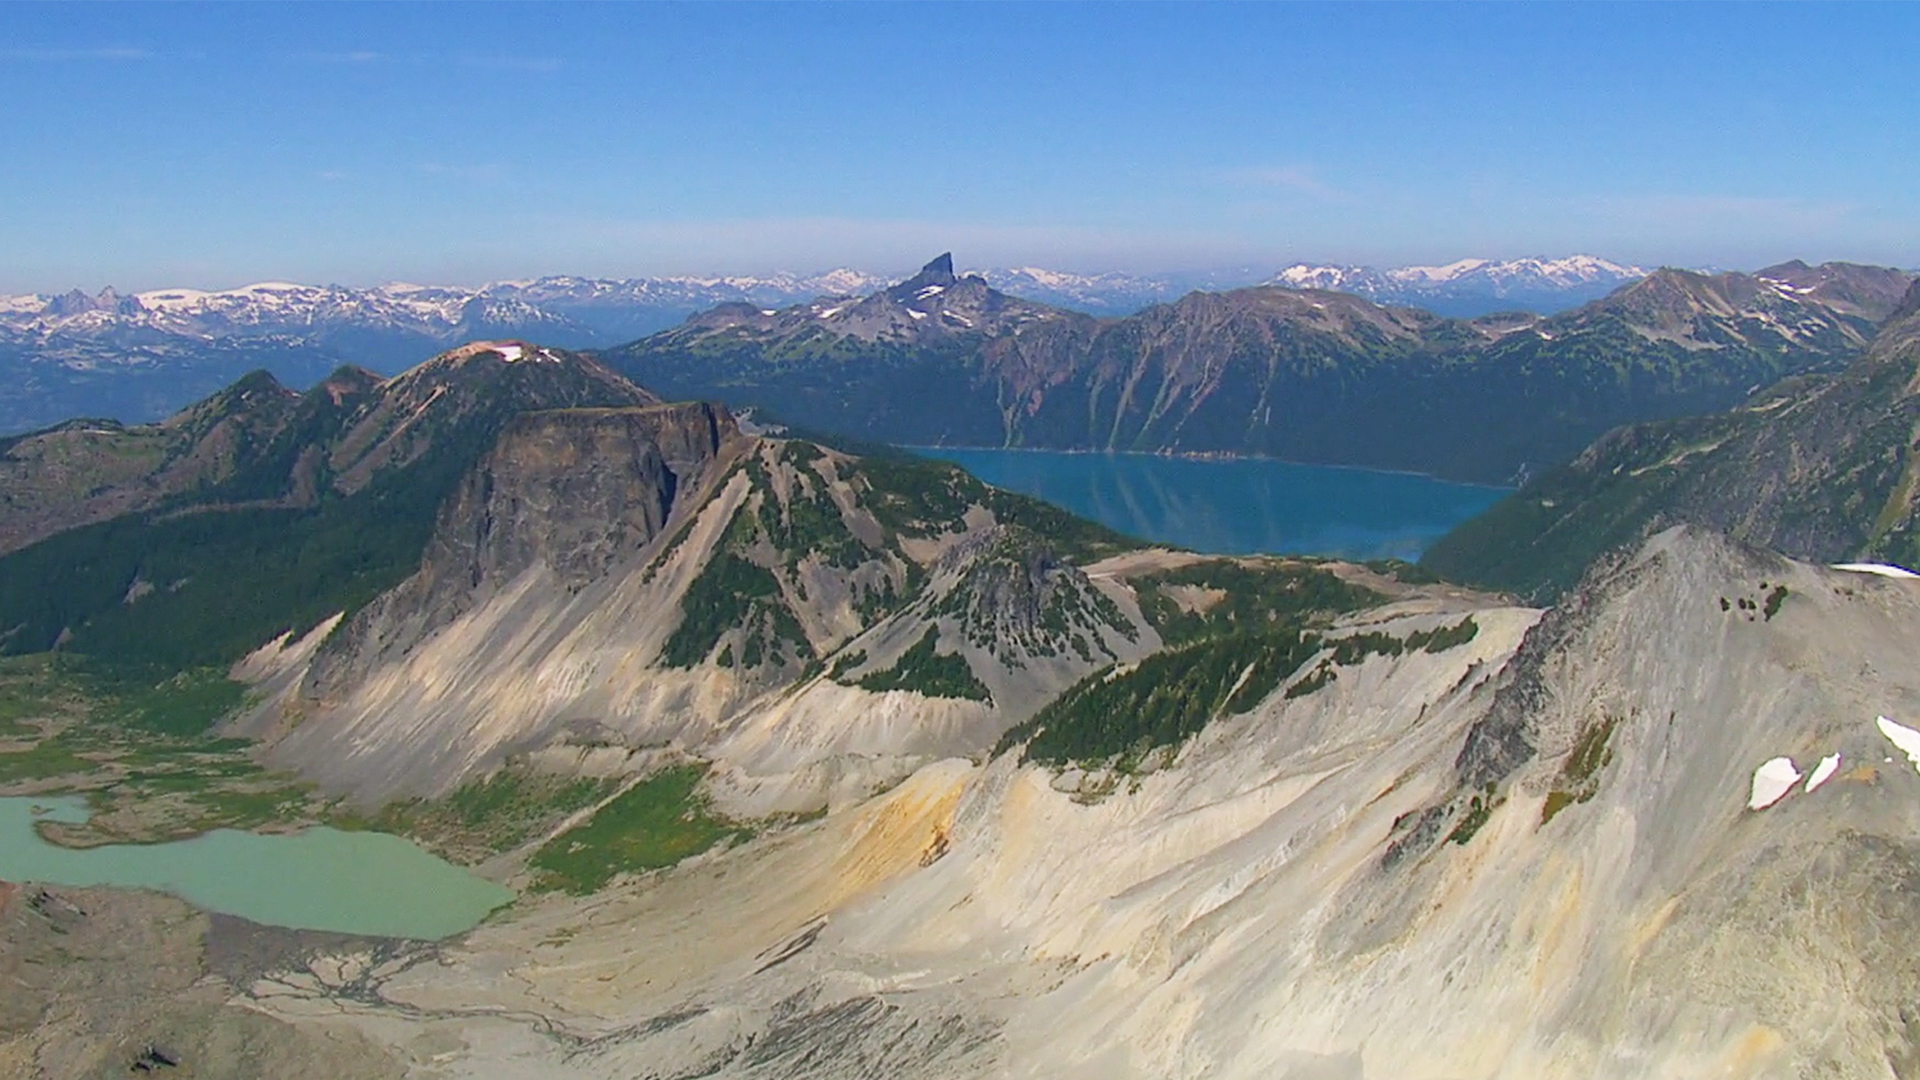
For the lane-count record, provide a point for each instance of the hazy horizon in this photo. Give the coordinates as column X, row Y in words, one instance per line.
column 1179, row 275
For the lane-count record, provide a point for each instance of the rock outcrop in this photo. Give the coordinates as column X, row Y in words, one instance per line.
column 655, row 578
column 567, row 492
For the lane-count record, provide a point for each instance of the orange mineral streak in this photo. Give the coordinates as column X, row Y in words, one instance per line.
column 906, row 830
column 1865, row 774
column 687, row 925
column 1752, row 1053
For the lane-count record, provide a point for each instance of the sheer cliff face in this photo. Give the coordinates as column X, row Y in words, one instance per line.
column 568, row 492
column 576, row 490
column 649, row 577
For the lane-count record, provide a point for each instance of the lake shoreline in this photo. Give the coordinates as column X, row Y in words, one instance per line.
column 1235, row 505
column 368, row 884
column 1200, row 456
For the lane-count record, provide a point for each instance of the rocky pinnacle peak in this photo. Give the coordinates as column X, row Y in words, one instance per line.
column 936, row 275
column 937, row 272
column 77, row 302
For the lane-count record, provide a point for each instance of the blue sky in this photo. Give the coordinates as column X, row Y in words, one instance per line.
column 148, row 145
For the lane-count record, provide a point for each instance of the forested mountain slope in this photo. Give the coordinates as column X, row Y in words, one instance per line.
column 1820, row 467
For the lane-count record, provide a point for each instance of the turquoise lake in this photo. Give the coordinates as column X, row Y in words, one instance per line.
column 1238, row 506
column 319, row 879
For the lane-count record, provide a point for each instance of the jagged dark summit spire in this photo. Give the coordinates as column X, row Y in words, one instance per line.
column 937, row 272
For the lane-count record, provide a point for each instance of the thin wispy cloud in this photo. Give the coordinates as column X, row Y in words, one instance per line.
column 372, row 58
column 512, row 63
column 356, row 56
column 110, row 52
column 484, row 172
column 1297, row 179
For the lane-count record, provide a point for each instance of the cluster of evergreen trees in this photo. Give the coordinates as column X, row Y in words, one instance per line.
column 1164, row 700
column 924, row 671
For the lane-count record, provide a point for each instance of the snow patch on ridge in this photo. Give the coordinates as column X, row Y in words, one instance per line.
column 1771, row 782
column 1883, row 569
column 1821, row 772
column 1904, row 738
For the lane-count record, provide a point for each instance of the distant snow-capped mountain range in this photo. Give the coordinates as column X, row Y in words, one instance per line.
column 401, row 318
column 580, row 311
column 1473, row 287
column 138, row 356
